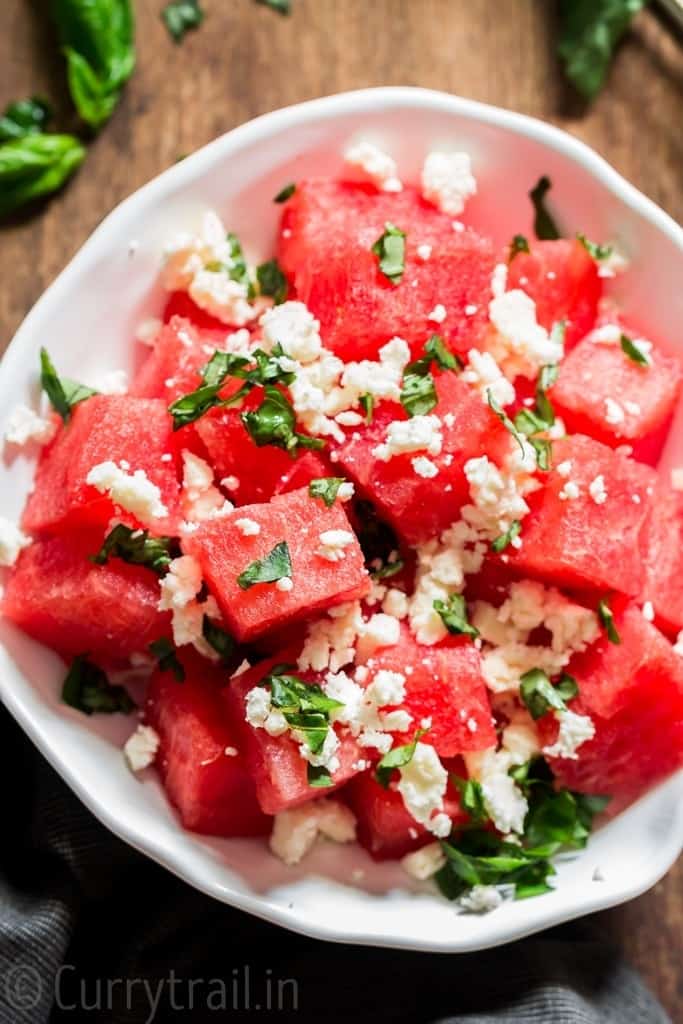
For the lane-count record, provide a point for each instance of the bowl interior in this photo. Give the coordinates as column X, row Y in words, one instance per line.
column 88, row 318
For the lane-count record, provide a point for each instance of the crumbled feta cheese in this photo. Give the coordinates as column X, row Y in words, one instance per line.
column 346, row 491
column 395, row 603
column 424, row 467
column 597, row 490
column 248, row 527
column 480, row 899
column 296, row 830
column 422, row 864
column 423, row 786
column 332, row 544
column 330, row 642
column 12, row 542
column 261, row 714
column 614, row 264
column 413, row 435
column 133, row 492
column 520, row 345
column 141, row 748
column 503, row 800
column 424, row 251
column 564, row 468
column 147, row 330
column 200, row 499
column 438, row 314
column 26, row 425
column 216, row 293
column 649, row 611
column 499, row 280
column 570, row 491
column 520, row 737
column 113, row 383
column 179, row 588
column 496, row 498
column 447, row 181
column 292, row 326
column 607, row 334
column 375, row 165
column 614, row 414
column 231, row 483
column 574, row 730
column 379, row 631
column 285, row 584
column 483, row 373
column 349, row 419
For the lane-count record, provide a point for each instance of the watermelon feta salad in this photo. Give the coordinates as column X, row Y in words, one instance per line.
column 379, row 523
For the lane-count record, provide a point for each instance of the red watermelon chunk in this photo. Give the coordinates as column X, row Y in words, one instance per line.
column 444, row 684
column 59, row 597
column 562, row 279
column 203, row 771
column 275, row 764
column 298, row 519
column 172, row 367
column 634, row 694
column 663, row 554
column 579, row 542
column 385, row 827
column 325, row 248
column 103, row 428
column 403, row 497
column 180, row 304
column 599, row 383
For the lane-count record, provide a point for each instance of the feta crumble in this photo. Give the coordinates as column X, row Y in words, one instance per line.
column 424, row 467
column 483, row 373
column 12, row 542
column 292, row 326
column 649, row 611
column 438, row 314
column 447, row 181
column 519, row 344
column 574, row 730
column 26, row 425
column 424, row 251
column 614, row 413
column 333, row 543
column 295, row 831
column 480, row 899
column 140, row 749
column 422, row 864
column 201, row 500
column 597, row 490
column 375, row 165
column 423, row 786
column 248, row 527
column 413, row 435
column 503, row 800
column 284, row 584
column 133, row 492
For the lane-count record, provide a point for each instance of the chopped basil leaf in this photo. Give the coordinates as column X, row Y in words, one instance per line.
column 98, row 40
column 137, row 548
column 454, row 615
column 285, row 193
column 435, row 347
column 544, row 453
column 481, row 858
column 305, row 707
column 318, row 776
column 398, row 757
column 388, row 570
column 418, row 394
column 598, row 252
column 281, row 6
column 589, row 32
column 367, row 404
column 327, row 488
column 239, row 271
column 390, row 247
column 607, row 618
column 540, row 696
column 471, row 798
column 544, row 225
column 505, row 539
column 165, row 653
column 218, row 638
column 518, row 244
column 273, row 422
column 272, row 281
column 504, row 418
column 630, row 349
column 25, row 117
column 87, row 689
column 180, row 16
column 62, row 392
column 528, row 422
column 275, row 566
column 546, row 378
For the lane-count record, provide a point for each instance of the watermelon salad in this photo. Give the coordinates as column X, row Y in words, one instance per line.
column 378, row 524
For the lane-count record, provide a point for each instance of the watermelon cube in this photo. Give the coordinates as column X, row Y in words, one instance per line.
column 404, row 497
column 203, row 770
column 274, row 762
column 601, row 392
column 590, row 541
column 444, row 686
column 325, row 248
column 562, row 279
column 171, row 368
column 180, row 304
column 321, row 578
column 104, row 428
column 663, row 554
column 59, row 597
column 633, row 692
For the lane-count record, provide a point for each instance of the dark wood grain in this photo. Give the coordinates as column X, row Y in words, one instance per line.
column 247, row 60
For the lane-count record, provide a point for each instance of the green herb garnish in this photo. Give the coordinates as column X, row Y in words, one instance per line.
column 326, row 488
column 181, row 16
column 471, row 798
column 218, row 638
column 36, row 166
column 318, row 776
column 630, row 349
column 544, row 225
column 418, row 394
column 63, row 393
column 454, row 616
column 397, row 757
column 607, row 619
column 518, row 244
column 505, row 539
column 598, row 252
column 285, row 193
column 367, row 404
column 275, row 566
column 388, row 570
column 137, row 548
column 390, row 248
column 87, row 689
column 540, row 696
column 167, row 659
column 272, row 281
column 25, row 117
column 589, row 33
column 274, row 421
column 305, row 707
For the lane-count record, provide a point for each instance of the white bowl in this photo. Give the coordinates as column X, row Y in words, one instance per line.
column 88, row 317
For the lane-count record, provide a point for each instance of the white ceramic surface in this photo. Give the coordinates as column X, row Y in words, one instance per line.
column 87, row 319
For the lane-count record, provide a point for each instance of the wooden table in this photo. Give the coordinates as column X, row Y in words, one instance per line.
column 247, row 60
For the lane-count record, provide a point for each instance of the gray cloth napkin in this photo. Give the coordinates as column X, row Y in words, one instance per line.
column 92, row 930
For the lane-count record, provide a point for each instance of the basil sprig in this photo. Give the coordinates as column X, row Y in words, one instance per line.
column 285, row 193
column 88, row 689
column 34, row 165
column 390, row 248
column 545, row 227
column 63, row 393
column 540, row 695
column 594, row 249
column 276, row 565
column 218, row 638
column 589, row 33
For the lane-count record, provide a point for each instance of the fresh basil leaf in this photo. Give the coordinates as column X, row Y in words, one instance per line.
column 63, row 393
column 318, row 776
column 418, row 394
column 398, row 757
column 165, row 653
column 181, row 16
column 273, row 422
column 633, row 352
column 471, row 798
column 272, row 281
column 137, row 548
column 544, row 452
column 35, row 166
column 504, row 418
column 388, row 570
column 390, row 248
column 544, row 225
column 218, row 638
column 454, row 616
column 435, row 348
column 505, row 539
column 281, row 6
column 275, row 566
column 518, row 244
column 529, row 422
column 546, row 378
column 598, row 252
column 607, row 619
column 222, row 365
column 589, row 33
column 367, row 404
column 285, row 193
column 25, row 117
column 87, row 689
column 98, row 41
column 588, row 806
column 326, row 488
column 540, row 696
column 239, row 270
